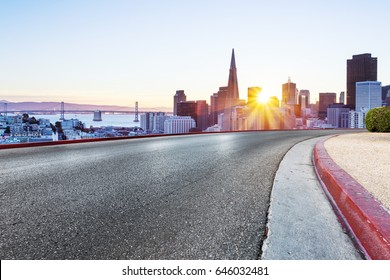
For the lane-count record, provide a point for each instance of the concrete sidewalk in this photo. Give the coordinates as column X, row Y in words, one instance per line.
column 301, row 221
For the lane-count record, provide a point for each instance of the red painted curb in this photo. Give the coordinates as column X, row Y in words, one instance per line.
column 364, row 215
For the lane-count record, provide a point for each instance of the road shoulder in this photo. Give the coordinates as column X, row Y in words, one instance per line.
column 301, row 222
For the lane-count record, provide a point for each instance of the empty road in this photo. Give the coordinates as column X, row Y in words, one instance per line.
column 182, row 197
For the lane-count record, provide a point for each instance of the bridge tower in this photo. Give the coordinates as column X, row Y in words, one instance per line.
column 136, row 112
column 62, row 117
column 5, row 109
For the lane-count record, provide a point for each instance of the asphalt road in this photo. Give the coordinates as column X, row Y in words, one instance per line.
column 181, row 197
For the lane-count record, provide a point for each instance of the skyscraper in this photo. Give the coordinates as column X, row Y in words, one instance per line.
column 360, row 68
column 253, row 94
column 217, row 104
column 197, row 110
column 326, row 98
column 342, row 97
column 368, row 95
column 232, row 97
column 304, row 98
column 202, row 112
column 177, row 98
column 187, row 108
column 289, row 93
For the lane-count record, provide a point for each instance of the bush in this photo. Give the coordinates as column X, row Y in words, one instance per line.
column 378, row 119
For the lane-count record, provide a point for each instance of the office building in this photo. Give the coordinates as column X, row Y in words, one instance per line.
column 326, row 98
column 385, row 93
column 356, row 119
column 202, row 114
column 334, row 115
column 289, row 93
column 153, row 122
column 368, row 95
column 360, row 68
column 304, row 98
column 217, row 104
column 177, row 98
column 253, row 94
column 178, row 124
column 342, row 97
column 197, row 110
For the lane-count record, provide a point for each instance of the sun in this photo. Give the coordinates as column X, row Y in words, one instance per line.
column 263, row 98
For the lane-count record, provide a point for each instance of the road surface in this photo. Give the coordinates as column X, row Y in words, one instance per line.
column 182, row 197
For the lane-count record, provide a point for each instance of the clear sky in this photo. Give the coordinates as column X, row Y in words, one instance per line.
column 117, row 52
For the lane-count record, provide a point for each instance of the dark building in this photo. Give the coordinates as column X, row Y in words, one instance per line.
column 202, row 113
column 177, row 98
column 187, row 108
column 326, row 98
column 198, row 110
column 360, row 68
column 217, row 104
column 385, row 93
column 304, row 98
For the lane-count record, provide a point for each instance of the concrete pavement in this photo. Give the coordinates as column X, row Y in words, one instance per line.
column 301, row 221
column 315, row 204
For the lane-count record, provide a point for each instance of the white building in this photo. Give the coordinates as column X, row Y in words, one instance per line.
column 356, row 119
column 178, row 124
column 153, row 122
column 368, row 95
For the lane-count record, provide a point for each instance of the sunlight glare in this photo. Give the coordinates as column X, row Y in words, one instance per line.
column 263, row 98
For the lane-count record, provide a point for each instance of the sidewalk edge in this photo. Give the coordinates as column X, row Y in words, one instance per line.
column 368, row 221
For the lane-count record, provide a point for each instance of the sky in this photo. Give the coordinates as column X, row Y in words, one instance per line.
column 116, row 52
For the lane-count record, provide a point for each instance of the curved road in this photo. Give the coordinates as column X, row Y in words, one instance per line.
column 181, row 197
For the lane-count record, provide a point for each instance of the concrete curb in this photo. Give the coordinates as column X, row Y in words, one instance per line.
column 366, row 218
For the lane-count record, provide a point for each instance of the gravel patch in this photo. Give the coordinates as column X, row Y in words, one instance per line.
column 366, row 157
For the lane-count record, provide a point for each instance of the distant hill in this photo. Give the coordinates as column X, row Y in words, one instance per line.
column 32, row 106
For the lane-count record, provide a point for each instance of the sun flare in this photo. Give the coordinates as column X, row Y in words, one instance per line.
column 263, row 98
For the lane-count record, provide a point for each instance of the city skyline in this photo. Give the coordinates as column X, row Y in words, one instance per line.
column 119, row 52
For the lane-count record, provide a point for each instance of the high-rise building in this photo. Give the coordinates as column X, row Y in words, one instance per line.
column 304, row 98
column 187, row 108
column 153, row 122
column 217, row 104
column 197, row 110
column 232, row 96
column 177, row 98
column 326, row 98
column 360, row 68
column 385, row 92
column 289, row 93
column 178, row 124
column 253, row 94
column 342, row 97
column 202, row 113
column 233, row 83
column 387, row 99
column 368, row 95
